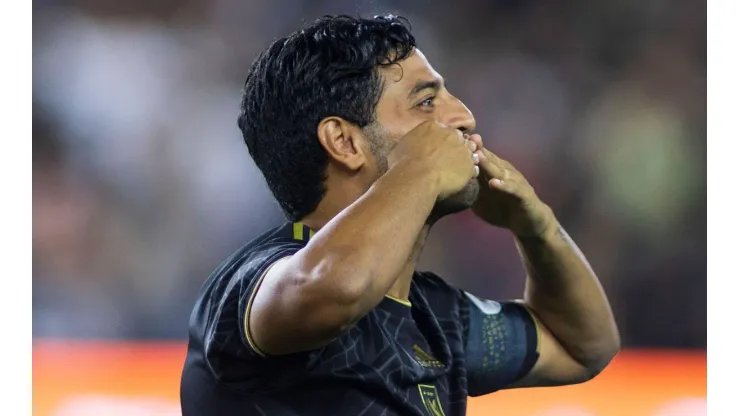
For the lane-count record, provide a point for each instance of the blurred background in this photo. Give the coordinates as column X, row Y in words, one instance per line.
column 142, row 184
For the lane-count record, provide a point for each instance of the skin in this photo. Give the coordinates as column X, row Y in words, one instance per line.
column 389, row 182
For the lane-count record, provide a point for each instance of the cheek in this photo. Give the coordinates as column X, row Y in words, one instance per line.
column 398, row 119
column 374, row 170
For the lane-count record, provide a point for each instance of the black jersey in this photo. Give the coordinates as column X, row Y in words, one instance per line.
column 422, row 357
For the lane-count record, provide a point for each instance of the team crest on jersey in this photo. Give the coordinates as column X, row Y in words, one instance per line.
column 426, row 359
column 431, row 401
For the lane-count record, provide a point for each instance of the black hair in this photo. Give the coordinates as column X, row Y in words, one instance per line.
column 330, row 68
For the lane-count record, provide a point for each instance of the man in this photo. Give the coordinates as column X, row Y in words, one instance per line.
column 364, row 148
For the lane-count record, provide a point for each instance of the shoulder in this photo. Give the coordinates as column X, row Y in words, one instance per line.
column 430, row 284
column 249, row 261
column 214, row 322
column 442, row 297
column 229, row 283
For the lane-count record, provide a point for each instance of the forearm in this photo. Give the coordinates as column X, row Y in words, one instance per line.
column 363, row 249
column 565, row 293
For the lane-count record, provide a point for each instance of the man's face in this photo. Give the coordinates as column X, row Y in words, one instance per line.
column 413, row 93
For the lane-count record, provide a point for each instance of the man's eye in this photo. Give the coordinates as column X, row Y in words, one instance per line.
column 429, row 102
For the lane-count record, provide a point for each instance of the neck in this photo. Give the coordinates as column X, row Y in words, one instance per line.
column 402, row 287
column 344, row 193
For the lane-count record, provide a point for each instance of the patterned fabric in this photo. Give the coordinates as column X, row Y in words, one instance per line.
column 399, row 359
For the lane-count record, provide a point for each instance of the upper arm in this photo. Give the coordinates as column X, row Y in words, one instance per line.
column 507, row 347
column 285, row 313
column 250, row 323
column 218, row 319
column 501, row 344
column 258, row 309
column 554, row 367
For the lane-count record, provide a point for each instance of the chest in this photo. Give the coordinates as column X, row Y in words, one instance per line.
column 410, row 356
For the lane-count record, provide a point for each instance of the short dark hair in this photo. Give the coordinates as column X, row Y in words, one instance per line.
column 330, row 68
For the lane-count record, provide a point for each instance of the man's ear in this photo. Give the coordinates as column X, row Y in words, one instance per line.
column 343, row 141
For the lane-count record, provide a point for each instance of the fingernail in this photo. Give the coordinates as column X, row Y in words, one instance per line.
column 498, row 182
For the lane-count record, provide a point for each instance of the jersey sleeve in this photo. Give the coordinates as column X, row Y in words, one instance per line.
column 230, row 351
column 501, row 343
column 250, row 278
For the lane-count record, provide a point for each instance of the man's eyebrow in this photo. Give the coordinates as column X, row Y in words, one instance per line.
column 434, row 84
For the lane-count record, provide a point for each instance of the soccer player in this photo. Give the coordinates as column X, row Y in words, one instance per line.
column 364, row 149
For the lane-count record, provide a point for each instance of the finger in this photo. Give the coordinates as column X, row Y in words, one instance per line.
column 489, row 166
column 472, row 146
column 502, row 163
column 509, row 187
column 475, row 138
column 494, row 157
column 476, row 158
column 507, row 169
column 494, row 170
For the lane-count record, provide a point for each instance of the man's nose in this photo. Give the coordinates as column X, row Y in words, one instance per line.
column 457, row 115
